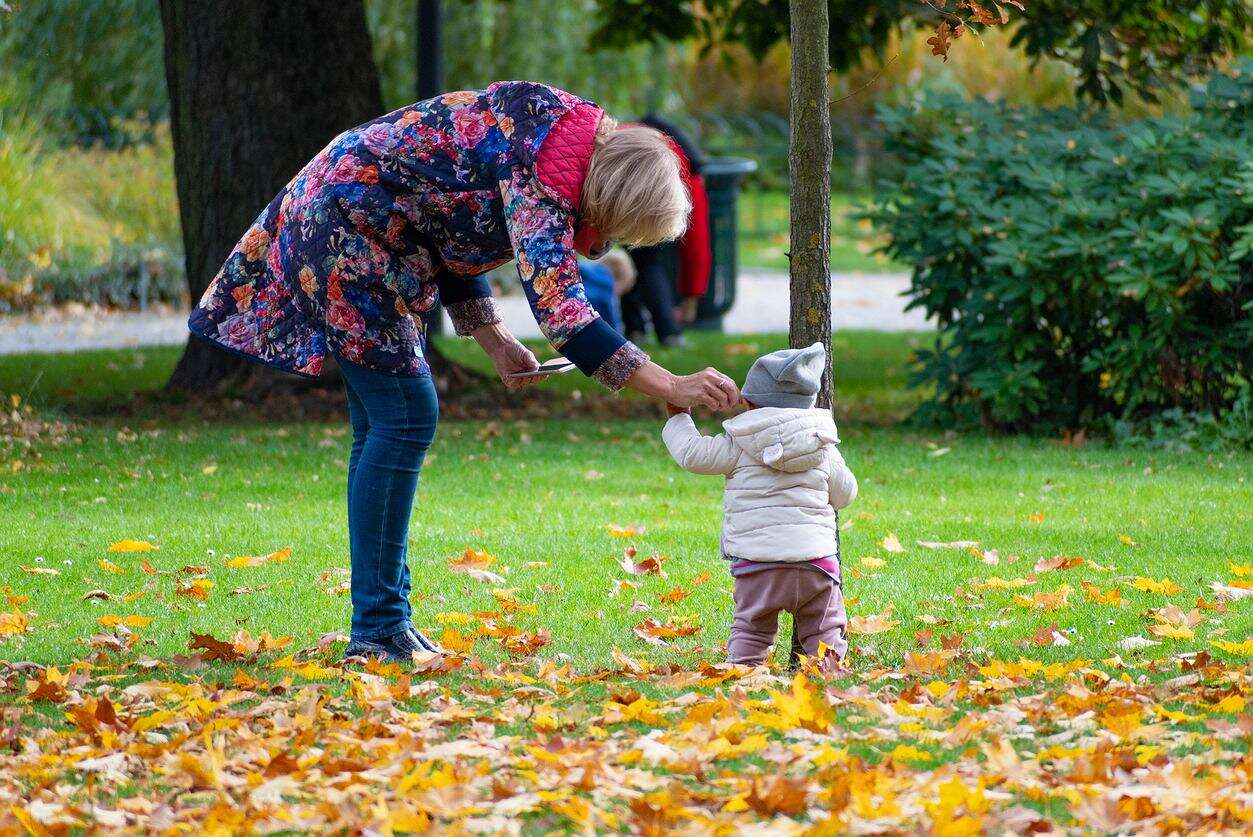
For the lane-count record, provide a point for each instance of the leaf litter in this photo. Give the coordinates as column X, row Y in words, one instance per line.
column 502, row 734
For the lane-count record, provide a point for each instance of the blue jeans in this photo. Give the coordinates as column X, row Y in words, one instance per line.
column 393, row 424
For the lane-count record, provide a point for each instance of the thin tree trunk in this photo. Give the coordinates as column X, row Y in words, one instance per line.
column 256, row 88
column 809, row 165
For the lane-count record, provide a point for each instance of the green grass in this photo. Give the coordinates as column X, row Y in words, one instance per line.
column 763, row 242
column 541, row 495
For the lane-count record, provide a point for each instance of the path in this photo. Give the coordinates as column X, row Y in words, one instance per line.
column 858, row 301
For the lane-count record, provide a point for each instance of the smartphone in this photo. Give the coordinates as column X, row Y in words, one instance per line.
column 553, row 366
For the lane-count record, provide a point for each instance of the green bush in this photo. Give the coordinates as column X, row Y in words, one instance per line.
column 85, row 224
column 1081, row 271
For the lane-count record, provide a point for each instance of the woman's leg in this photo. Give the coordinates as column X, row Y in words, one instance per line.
column 359, row 418
column 400, row 418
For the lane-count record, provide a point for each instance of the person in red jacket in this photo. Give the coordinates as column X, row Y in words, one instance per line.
column 653, row 297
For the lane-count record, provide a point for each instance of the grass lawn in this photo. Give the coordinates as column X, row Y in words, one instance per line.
column 994, row 673
column 763, row 225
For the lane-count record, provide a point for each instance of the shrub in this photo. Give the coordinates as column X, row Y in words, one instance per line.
column 93, row 225
column 1080, row 271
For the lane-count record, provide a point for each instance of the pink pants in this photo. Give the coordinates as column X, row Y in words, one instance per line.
column 813, row 598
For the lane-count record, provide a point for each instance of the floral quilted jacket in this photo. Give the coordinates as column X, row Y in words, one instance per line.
column 413, row 207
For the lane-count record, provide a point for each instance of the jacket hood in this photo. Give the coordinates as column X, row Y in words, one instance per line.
column 786, row 439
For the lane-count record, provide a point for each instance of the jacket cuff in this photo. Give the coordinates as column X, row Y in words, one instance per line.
column 470, row 314
column 620, row 366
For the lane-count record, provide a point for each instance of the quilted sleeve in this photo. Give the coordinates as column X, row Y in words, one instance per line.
column 468, row 301
column 542, row 233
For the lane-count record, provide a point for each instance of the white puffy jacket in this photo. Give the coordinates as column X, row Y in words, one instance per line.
column 785, row 478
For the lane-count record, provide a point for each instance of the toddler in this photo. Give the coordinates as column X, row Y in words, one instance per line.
column 785, row 479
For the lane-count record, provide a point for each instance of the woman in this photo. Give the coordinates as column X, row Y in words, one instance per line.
column 418, row 205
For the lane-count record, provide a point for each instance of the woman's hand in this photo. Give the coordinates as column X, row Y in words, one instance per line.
column 507, row 354
column 708, row 388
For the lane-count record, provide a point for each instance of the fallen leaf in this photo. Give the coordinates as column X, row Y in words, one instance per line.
column 676, row 595
column 625, row 531
column 14, row 622
column 196, row 588
column 891, row 543
column 948, row 544
column 109, row 567
column 876, row 623
column 276, row 557
column 1057, row 600
column 649, row 566
column 1244, row 649
column 650, row 630
column 1165, row 587
column 129, row 545
column 1058, row 562
column 1049, row 636
column 1230, row 593
column 133, row 621
column 524, row 645
column 39, row 570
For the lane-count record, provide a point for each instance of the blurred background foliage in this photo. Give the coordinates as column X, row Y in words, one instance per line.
column 87, row 202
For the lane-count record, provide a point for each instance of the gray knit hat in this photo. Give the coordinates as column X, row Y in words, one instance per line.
column 787, row 378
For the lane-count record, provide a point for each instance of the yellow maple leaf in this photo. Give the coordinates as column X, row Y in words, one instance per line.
column 1169, row 631
column 872, row 563
column 1165, row 587
column 14, row 622
column 624, row 531
column 110, row 567
column 1036, row 517
column 132, row 621
column 1058, row 599
column 1240, row 570
column 1233, row 704
column 908, row 752
column 1244, row 649
column 129, row 545
column 1111, row 597
column 1126, row 540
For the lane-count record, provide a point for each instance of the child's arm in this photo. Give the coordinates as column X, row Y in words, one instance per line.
column 696, row 453
column 842, row 486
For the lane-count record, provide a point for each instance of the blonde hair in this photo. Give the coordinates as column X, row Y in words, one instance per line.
column 634, row 191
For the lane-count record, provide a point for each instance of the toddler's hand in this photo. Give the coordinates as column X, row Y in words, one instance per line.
column 673, row 410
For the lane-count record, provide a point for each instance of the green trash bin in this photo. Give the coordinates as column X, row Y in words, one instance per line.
column 722, row 183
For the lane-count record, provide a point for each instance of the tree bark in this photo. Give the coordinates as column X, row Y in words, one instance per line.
column 809, row 166
column 256, row 89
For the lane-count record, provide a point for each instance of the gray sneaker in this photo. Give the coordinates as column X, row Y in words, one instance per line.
column 398, row 647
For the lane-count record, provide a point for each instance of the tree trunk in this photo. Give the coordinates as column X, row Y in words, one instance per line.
column 256, row 88
column 809, row 165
